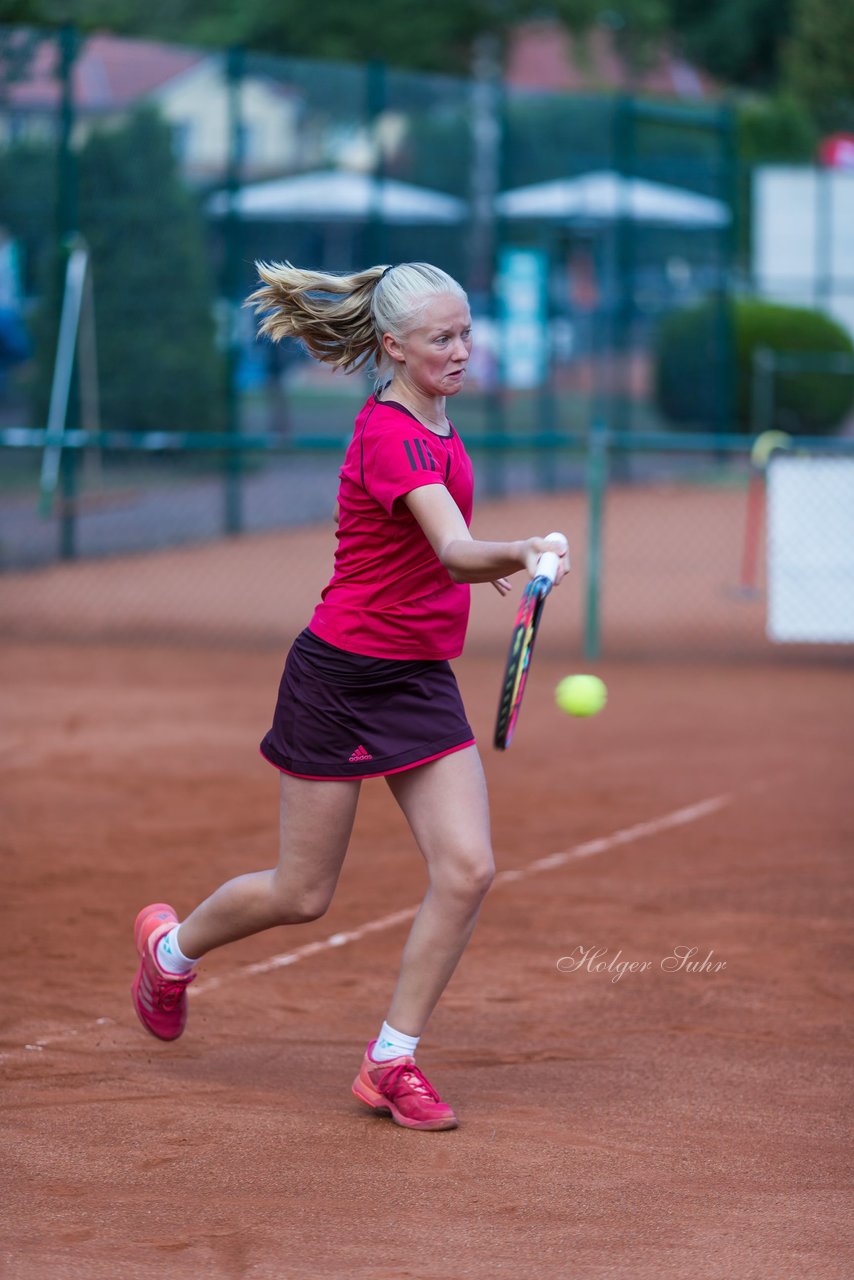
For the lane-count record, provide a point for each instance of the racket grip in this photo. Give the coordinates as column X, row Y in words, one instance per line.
column 549, row 560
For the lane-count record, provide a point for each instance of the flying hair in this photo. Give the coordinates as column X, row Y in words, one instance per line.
column 341, row 319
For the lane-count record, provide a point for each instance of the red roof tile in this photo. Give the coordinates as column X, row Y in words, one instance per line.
column 109, row 73
column 544, row 55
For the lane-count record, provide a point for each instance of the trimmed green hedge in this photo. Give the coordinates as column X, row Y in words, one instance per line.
column 692, row 379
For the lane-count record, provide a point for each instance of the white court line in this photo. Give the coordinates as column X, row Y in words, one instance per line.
column 678, row 818
column 38, row 1045
column 589, row 849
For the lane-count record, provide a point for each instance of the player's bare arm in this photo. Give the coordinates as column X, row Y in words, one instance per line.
column 468, row 559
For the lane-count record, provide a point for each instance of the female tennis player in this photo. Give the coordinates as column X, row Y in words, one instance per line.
column 367, row 689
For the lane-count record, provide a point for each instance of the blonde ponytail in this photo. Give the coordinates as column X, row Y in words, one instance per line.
column 329, row 314
column 341, row 319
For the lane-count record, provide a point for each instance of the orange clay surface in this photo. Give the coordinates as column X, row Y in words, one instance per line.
column 616, row 1124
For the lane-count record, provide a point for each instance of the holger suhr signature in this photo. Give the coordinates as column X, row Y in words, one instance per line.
column 596, row 960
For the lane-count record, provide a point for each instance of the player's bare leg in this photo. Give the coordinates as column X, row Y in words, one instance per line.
column 446, row 805
column 316, row 820
column 315, row 825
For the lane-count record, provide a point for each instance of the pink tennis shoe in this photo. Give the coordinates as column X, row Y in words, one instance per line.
column 160, row 998
column 399, row 1089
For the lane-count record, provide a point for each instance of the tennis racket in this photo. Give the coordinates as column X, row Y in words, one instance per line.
column 522, row 644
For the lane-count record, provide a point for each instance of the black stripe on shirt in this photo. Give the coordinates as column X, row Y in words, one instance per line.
column 429, row 453
column 425, row 460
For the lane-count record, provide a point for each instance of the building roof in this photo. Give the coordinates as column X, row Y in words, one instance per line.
column 109, row 73
column 545, row 55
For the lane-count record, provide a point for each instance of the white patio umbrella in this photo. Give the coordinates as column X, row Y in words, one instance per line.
column 339, row 196
column 602, row 196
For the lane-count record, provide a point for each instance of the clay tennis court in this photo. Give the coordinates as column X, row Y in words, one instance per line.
column 616, row 1124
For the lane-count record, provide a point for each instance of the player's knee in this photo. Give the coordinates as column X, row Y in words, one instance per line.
column 301, row 908
column 485, row 877
column 469, row 876
column 304, row 912
column 308, row 911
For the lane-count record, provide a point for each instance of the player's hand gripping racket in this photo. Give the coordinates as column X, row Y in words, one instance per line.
column 522, row 643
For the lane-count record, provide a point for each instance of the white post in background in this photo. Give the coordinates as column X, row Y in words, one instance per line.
column 72, row 302
column 811, row 549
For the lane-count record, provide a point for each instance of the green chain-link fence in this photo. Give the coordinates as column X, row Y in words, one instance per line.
column 576, row 224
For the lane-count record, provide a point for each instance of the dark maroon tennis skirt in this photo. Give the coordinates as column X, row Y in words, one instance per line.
column 344, row 715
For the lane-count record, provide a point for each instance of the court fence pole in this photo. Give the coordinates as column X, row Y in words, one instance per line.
column 489, row 141
column 233, row 462
column 376, row 87
column 67, row 228
column 597, row 481
column 728, row 192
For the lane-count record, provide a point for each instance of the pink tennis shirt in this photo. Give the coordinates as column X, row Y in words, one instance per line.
column 390, row 596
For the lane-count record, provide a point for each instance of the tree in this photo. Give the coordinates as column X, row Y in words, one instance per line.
column 819, row 61
column 26, row 210
column 122, row 16
column 434, row 37
column 157, row 359
column 775, row 130
column 739, row 41
column 154, row 299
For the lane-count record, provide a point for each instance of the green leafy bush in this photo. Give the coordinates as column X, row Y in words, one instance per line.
column 694, row 382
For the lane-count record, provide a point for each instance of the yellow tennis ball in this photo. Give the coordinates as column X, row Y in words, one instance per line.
column 766, row 444
column 581, row 695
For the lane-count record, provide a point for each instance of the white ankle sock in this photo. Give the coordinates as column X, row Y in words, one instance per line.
column 392, row 1044
column 170, row 956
